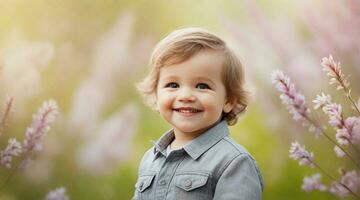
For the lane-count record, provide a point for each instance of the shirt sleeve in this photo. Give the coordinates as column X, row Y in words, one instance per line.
column 240, row 180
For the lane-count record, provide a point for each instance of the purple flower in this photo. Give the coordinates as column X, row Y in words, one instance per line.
column 350, row 179
column 39, row 127
column 294, row 101
column 315, row 129
column 313, row 183
column 334, row 112
column 356, row 132
column 321, row 100
column 12, row 149
column 339, row 152
column 342, row 136
column 300, row 154
column 348, row 130
column 338, row 190
column 57, row 194
column 333, row 70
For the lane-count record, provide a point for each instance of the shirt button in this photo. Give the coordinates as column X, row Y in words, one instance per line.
column 141, row 185
column 188, row 183
column 162, row 182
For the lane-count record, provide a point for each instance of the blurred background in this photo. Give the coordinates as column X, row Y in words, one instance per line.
column 88, row 55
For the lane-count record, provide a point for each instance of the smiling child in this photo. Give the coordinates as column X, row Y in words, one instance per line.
column 196, row 83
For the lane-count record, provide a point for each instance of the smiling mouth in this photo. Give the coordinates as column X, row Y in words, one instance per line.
column 187, row 110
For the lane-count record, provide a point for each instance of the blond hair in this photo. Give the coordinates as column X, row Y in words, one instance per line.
column 179, row 46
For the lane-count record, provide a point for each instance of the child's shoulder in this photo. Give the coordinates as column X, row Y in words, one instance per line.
column 149, row 153
column 147, row 158
column 233, row 151
column 229, row 146
column 234, row 145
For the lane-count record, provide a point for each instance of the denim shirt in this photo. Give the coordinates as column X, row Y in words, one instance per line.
column 211, row 166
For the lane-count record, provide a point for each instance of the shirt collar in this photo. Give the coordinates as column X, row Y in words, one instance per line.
column 199, row 144
column 163, row 142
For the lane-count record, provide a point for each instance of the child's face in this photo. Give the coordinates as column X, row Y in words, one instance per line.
column 191, row 95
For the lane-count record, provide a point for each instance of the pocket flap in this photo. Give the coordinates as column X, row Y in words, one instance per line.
column 144, row 182
column 191, row 181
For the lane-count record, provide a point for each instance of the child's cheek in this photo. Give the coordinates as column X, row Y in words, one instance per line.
column 165, row 100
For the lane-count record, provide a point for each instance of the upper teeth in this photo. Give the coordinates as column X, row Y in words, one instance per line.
column 187, row 110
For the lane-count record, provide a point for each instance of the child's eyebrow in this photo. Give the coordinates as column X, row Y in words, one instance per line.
column 171, row 77
column 198, row 78
column 204, row 79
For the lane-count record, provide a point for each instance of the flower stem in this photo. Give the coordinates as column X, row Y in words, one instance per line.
column 332, row 178
column 331, row 140
column 354, row 147
column 12, row 172
column 23, row 158
column 352, row 100
column 323, row 171
column 6, row 113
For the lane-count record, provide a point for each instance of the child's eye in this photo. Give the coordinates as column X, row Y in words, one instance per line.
column 172, row 85
column 202, row 86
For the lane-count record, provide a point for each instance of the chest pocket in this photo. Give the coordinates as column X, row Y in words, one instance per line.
column 192, row 185
column 143, row 187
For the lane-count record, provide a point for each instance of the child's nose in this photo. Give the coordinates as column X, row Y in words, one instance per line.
column 186, row 95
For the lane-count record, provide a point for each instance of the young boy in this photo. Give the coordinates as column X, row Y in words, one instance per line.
column 196, row 84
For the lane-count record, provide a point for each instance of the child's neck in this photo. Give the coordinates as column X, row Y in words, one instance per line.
column 181, row 139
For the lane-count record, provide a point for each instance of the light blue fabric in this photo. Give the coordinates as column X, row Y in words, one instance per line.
column 212, row 166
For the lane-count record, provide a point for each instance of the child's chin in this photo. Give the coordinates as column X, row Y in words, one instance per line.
column 189, row 129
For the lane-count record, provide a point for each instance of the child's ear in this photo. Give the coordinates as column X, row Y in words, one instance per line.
column 229, row 106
